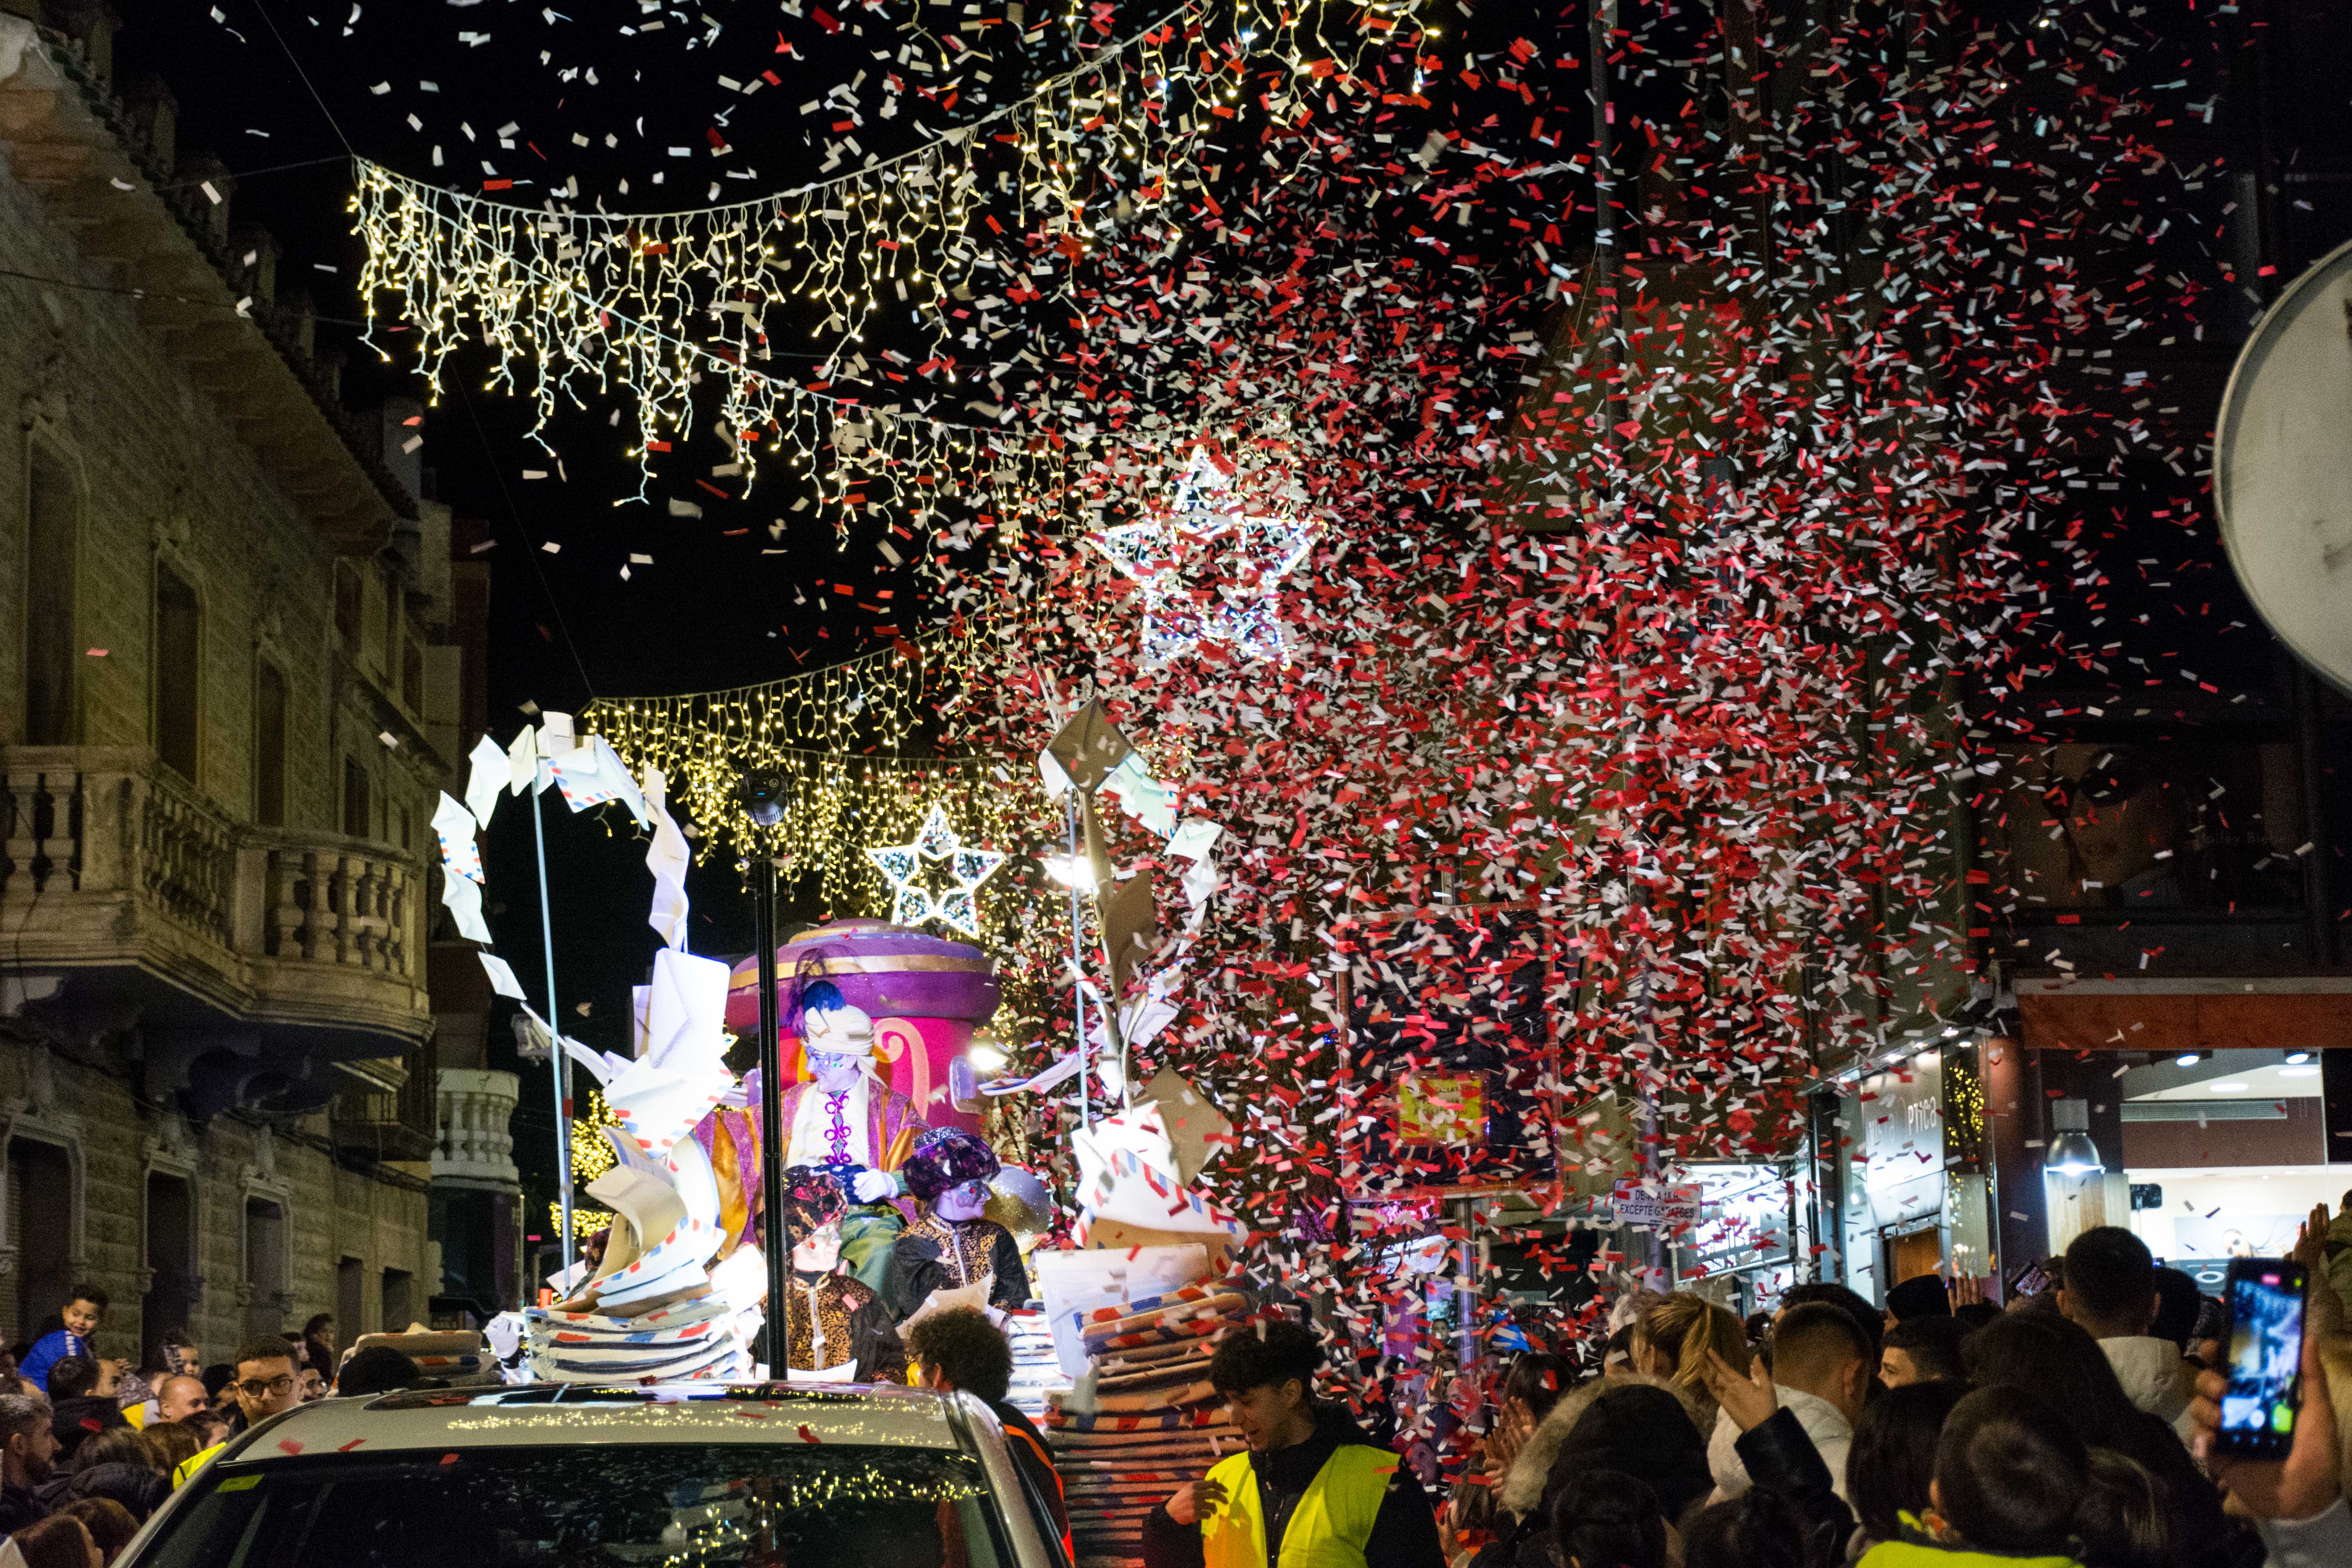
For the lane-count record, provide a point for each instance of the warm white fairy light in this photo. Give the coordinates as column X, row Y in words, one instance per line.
column 582, row 305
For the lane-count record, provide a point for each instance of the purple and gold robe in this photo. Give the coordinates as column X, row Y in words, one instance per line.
column 731, row 1138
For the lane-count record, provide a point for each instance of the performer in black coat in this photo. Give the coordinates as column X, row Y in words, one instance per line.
column 951, row 1245
column 830, row 1319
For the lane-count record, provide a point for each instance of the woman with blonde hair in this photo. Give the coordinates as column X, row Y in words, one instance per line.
column 1671, row 1340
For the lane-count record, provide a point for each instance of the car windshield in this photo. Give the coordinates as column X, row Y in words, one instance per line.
column 679, row 1505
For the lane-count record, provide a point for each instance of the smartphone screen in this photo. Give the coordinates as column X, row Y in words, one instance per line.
column 2257, row 1411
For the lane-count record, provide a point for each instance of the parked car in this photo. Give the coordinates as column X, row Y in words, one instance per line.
column 571, row 1476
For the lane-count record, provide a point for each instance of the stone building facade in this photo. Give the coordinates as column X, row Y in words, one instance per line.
column 231, row 682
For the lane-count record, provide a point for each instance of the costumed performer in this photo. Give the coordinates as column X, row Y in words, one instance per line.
column 830, row 1319
column 845, row 1119
column 952, row 1246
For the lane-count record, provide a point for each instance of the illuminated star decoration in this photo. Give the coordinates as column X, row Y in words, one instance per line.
column 1165, row 555
column 911, row 902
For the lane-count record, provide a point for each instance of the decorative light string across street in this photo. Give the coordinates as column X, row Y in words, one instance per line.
column 580, row 306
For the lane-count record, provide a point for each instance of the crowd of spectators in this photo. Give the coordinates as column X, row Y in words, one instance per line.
column 2070, row 1427
column 89, row 1448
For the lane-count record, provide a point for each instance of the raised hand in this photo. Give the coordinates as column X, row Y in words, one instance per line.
column 1749, row 1399
column 2297, row 1486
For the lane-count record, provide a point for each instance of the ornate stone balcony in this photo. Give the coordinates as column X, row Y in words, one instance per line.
column 477, row 1143
column 263, row 946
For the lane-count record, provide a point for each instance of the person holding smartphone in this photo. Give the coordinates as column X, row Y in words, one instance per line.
column 2298, row 1501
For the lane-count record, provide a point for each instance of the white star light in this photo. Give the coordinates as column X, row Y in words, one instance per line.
column 1187, row 597
column 912, row 904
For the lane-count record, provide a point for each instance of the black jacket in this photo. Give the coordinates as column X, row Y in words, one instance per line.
column 1027, row 1445
column 80, row 1418
column 915, row 1271
column 1404, row 1533
column 18, row 1508
column 135, row 1487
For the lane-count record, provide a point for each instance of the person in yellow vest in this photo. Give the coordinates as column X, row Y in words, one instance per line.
column 267, row 1385
column 1311, row 1491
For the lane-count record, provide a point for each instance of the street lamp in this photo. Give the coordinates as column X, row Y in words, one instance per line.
column 761, row 794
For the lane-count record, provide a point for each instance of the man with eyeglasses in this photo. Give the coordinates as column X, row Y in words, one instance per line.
column 265, row 1385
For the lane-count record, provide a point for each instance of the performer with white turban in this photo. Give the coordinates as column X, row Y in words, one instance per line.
column 845, row 1120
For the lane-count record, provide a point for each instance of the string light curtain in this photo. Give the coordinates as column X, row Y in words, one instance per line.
column 837, row 737
column 580, row 305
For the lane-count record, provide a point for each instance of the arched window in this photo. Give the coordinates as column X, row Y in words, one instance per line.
column 53, row 554
column 178, row 660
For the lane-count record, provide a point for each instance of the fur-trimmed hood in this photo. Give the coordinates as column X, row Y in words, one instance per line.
column 1522, row 1488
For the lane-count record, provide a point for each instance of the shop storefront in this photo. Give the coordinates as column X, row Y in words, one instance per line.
column 2209, row 1116
column 1747, row 1232
column 1900, row 1154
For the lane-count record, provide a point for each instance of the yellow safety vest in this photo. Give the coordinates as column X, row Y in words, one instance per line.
column 1329, row 1527
column 185, row 1471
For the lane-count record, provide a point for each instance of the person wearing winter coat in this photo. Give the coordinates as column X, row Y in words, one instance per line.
column 1640, row 1425
column 1822, row 1370
column 2110, row 1291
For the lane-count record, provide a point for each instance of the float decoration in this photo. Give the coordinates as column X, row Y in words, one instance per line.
column 653, row 1305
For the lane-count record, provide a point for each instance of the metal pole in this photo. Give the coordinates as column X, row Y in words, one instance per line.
column 1079, row 959
column 1114, row 1035
column 1465, row 1285
column 773, row 1134
column 554, row 1018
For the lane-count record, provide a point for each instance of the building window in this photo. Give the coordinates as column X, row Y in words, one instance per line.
column 388, row 646
column 41, row 1200
column 412, row 676
column 355, row 799
column 269, row 745
column 178, row 645
column 53, row 531
column 350, row 1280
column 399, row 1305
column 347, row 606
column 174, row 1291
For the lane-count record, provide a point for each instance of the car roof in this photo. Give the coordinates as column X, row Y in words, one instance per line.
column 506, row 1416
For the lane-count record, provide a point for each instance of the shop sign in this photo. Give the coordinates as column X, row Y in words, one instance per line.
column 1652, row 1206
column 1902, row 1114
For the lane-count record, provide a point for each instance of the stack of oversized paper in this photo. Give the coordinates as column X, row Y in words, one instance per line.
column 456, row 1356
column 654, row 1306
column 1141, row 1418
column 1036, row 1371
column 1136, row 1173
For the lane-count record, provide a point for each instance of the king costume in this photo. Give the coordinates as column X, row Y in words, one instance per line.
column 936, row 1253
column 866, row 1126
column 830, row 1319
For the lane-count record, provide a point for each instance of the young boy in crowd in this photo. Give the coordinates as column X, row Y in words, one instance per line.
column 82, row 1316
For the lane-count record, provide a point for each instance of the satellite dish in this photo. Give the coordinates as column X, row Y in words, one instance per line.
column 2283, row 467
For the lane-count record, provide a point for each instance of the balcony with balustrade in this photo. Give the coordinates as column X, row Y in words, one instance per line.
column 476, row 1146
column 258, row 948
